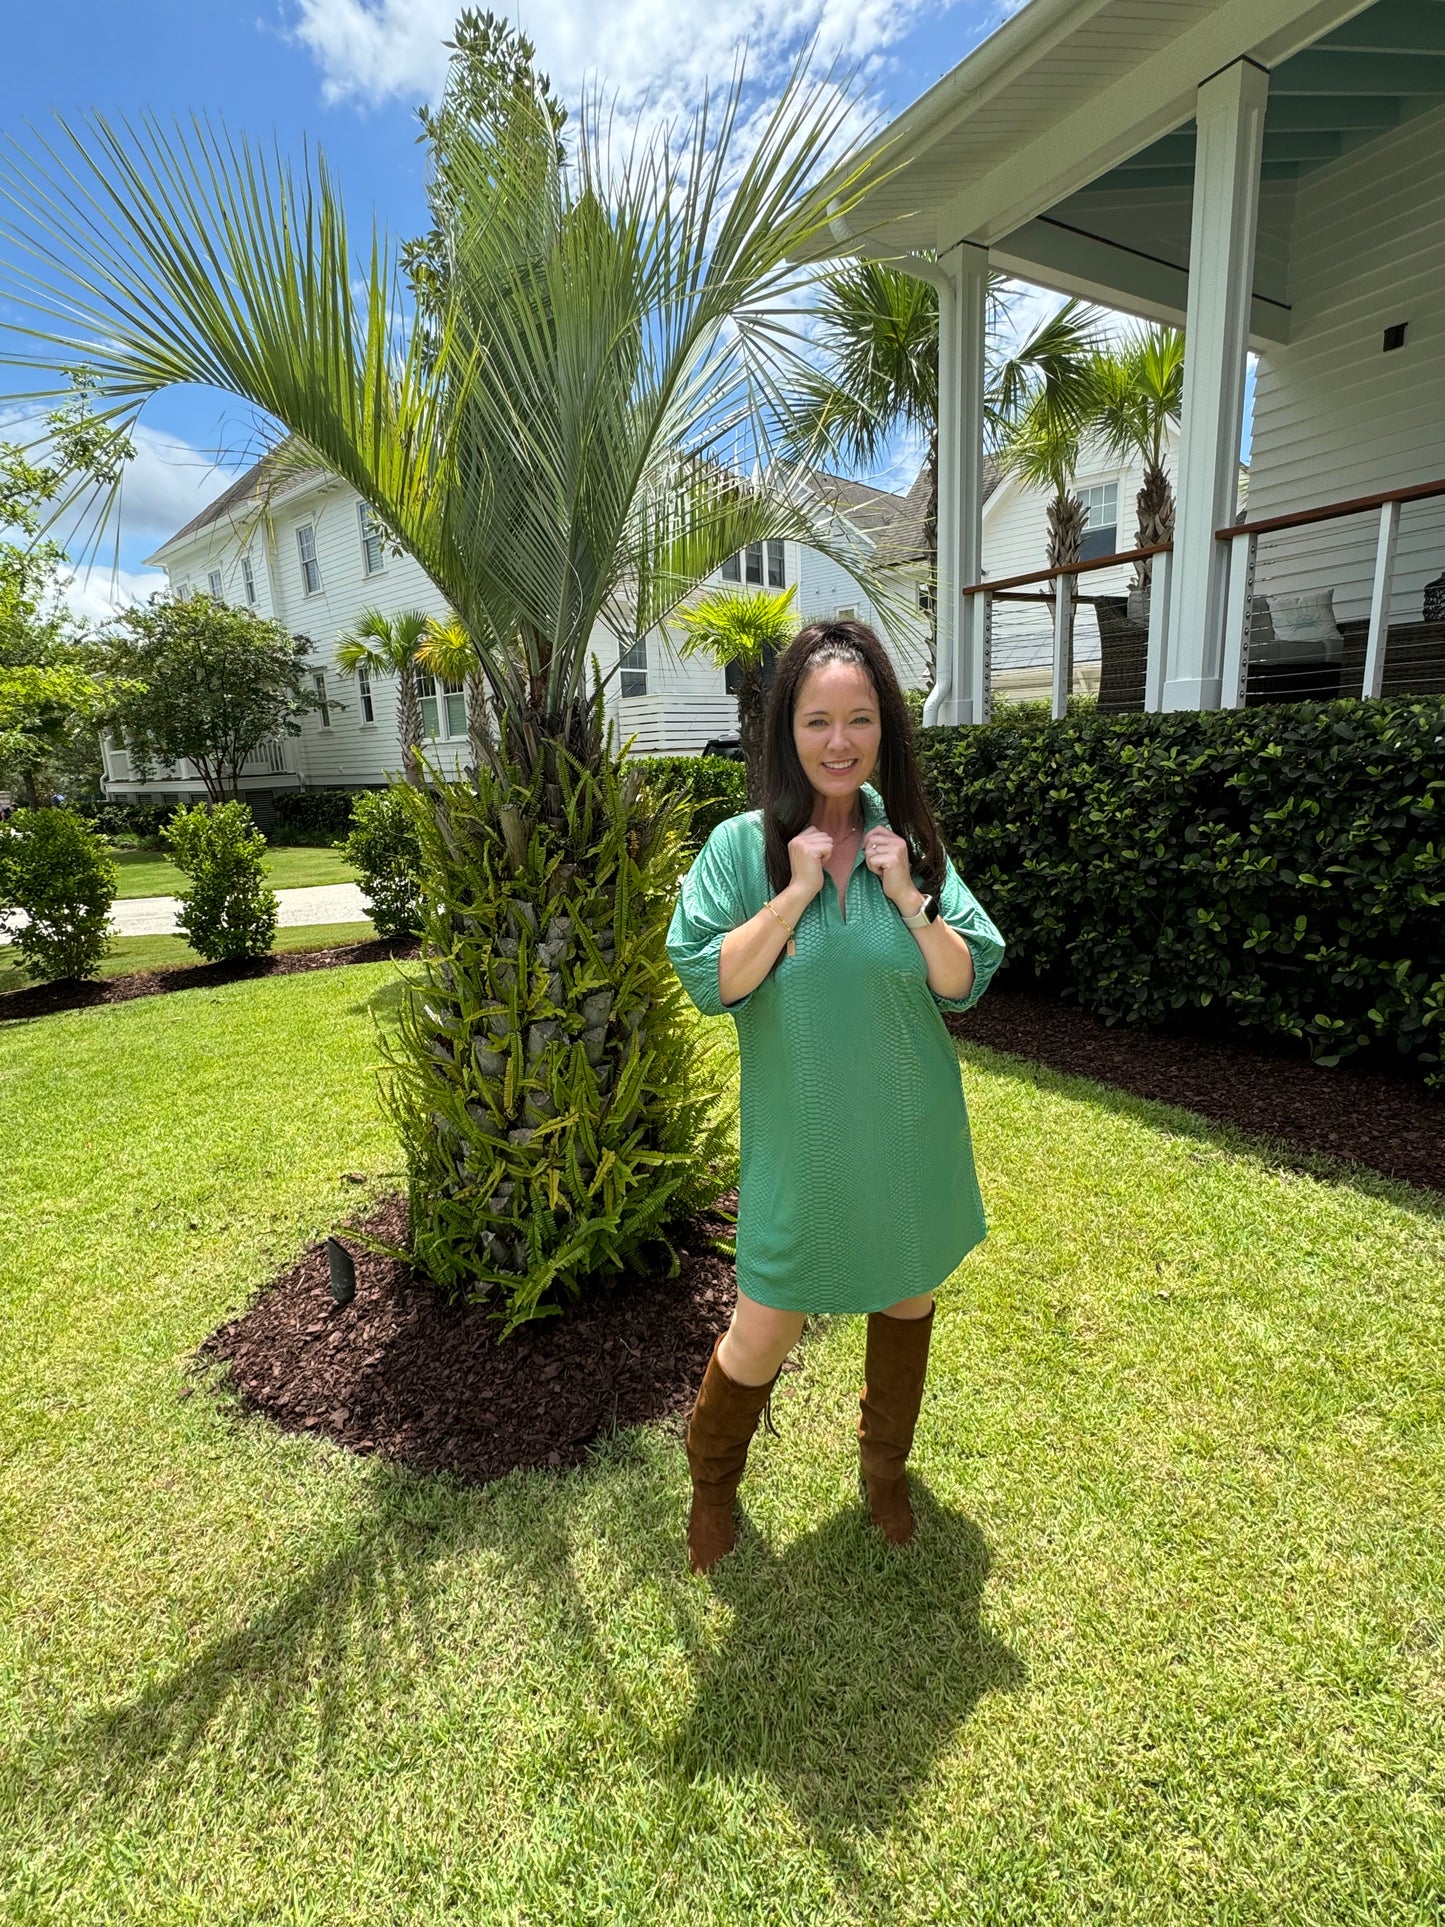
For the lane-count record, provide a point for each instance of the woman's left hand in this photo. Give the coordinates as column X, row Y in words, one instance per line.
column 887, row 857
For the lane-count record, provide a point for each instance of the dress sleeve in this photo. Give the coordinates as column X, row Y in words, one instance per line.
column 709, row 905
column 963, row 912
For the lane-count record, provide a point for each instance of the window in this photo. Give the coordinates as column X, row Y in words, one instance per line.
column 633, row 665
column 215, row 585
column 760, row 562
column 363, row 686
column 1101, row 530
column 248, row 580
column 776, row 571
column 318, row 683
column 753, row 568
column 732, row 569
column 372, row 559
column 925, row 598
column 846, row 612
column 443, row 707
column 182, row 588
column 310, row 568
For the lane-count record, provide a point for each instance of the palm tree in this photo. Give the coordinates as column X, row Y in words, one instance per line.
column 390, row 646
column 536, row 400
column 1043, row 412
column 879, row 374
column 1139, row 392
column 741, row 629
column 448, row 651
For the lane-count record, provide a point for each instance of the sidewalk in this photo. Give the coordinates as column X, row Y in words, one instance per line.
column 323, row 903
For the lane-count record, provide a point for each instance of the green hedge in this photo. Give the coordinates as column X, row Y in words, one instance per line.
column 715, row 786
column 1281, row 868
column 312, row 816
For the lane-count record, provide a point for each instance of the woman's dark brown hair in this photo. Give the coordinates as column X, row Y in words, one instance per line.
column 787, row 793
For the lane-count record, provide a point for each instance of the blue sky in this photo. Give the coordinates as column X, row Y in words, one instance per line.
column 347, row 75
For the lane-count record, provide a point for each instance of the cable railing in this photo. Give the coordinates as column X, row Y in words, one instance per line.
column 1063, row 597
column 1379, row 633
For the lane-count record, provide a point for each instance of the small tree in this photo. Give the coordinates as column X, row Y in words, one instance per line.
column 229, row 912
column 384, row 848
column 389, row 646
column 59, row 873
column 209, row 684
column 742, row 629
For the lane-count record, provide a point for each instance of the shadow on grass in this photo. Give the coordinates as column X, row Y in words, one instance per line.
column 1277, row 1153
column 847, row 1668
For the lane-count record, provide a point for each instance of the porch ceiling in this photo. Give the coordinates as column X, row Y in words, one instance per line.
column 1065, row 143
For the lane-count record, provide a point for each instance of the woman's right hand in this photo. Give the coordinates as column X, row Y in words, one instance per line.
column 807, row 853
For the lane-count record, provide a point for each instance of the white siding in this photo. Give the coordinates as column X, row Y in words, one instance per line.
column 1335, row 416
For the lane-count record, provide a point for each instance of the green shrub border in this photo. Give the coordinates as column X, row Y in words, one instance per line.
column 715, row 788
column 1281, row 868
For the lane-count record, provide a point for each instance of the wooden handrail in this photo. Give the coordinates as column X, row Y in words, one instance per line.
column 1357, row 505
column 1069, row 568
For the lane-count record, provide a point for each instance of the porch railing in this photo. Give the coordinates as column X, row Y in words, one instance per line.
column 1065, row 595
column 1243, row 538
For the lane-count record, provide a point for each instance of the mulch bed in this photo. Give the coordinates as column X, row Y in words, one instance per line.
column 1376, row 1120
column 44, row 1000
column 404, row 1372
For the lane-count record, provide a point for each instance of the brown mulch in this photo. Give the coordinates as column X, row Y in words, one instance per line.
column 1384, row 1122
column 44, row 1000
column 404, row 1372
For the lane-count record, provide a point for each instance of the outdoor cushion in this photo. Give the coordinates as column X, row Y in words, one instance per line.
column 1304, row 628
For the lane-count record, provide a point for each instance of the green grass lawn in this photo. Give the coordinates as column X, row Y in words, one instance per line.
column 158, row 953
column 1168, row 1648
column 150, row 873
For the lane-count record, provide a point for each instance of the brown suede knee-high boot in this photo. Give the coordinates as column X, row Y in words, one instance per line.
column 895, row 1367
column 718, row 1435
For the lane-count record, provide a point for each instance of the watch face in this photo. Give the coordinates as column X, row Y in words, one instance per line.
column 930, row 910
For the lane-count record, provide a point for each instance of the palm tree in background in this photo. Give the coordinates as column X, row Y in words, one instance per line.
column 385, row 645
column 542, row 400
column 879, row 373
column 1138, row 393
column 742, row 629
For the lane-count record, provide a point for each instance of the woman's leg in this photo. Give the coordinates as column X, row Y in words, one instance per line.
column 895, row 1367
column 911, row 1307
column 733, row 1395
column 757, row 1341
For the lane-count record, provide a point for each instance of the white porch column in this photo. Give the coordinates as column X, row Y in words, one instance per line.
column 1230, row 120
column 961, row 693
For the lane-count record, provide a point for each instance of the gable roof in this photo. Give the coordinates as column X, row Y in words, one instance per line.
column 250, row 488
column 894, row 523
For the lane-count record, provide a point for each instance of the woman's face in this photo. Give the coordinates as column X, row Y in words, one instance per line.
column 836, row 727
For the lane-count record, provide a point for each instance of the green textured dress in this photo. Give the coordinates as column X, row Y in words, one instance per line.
column 857, row 1186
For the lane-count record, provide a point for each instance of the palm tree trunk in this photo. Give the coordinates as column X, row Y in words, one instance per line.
column 408, row 722
column 1154, row 508
column 479, row 719
column 750, row 733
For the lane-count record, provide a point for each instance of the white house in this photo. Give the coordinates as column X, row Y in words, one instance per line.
column 1267, row 174
column 304, row 550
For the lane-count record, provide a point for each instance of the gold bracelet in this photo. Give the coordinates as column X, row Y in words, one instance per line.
column 786, row 928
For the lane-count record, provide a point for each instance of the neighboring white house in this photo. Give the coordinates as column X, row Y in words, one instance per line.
column 304, row 551
column 1269, row 175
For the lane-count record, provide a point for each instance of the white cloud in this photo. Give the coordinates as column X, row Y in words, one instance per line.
column 660, row 52
column 96, row 594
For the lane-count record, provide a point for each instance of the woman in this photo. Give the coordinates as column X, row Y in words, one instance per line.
column 832, row 927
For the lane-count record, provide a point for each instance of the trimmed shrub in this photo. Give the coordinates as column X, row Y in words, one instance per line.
column 58, row 871
column 312, row 816
column 713, row 787
column 144, row 821
column 383, row 846
column 229, row 912
column 1281, row 868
